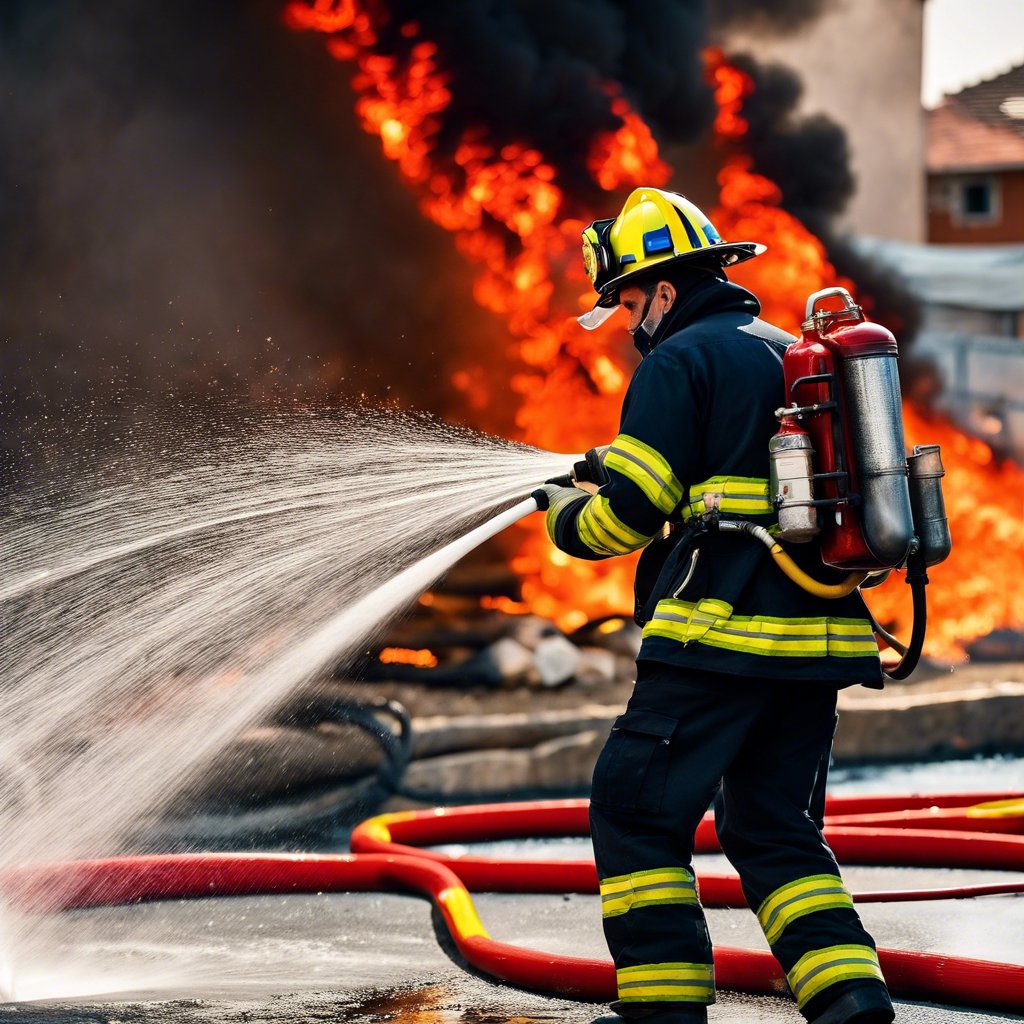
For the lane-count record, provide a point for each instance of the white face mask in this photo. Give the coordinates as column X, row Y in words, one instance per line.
column 643, row 334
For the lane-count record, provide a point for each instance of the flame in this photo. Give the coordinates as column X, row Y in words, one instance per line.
column 407, row 656
column 511, row 218
column 977, row 589
column 500, row 603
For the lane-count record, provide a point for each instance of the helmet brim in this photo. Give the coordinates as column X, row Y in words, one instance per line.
column 594, row 318
column 722, row 254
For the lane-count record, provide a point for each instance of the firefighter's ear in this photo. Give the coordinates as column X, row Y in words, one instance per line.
column 665, row 294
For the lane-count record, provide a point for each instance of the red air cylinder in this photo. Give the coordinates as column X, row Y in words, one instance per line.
column 842, row 383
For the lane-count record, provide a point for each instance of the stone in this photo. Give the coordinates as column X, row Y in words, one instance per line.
column 511, row 660
column 557, row 660
column 597, row 665
column 567, row 763
column 485, row 772
column 530, row 630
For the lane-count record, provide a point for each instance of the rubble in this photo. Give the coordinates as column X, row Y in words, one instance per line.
column 999, row 645
column 557, row 660
column 514, row 705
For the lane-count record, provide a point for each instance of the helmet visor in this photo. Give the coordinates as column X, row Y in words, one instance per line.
column 598, row 315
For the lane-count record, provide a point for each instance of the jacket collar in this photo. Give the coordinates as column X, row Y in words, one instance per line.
column 700, row 296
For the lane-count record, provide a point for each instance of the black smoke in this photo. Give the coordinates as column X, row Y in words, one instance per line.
column 539, row 71
column 808, row 157
column 189, row 212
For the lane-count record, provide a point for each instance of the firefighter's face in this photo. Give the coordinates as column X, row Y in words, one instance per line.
column 634, row 301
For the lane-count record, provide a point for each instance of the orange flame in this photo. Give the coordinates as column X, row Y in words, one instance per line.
column 408, row 656
column 978, row 588
column 510, row 218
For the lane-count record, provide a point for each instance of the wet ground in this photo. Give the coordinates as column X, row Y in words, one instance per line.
column 383, row 957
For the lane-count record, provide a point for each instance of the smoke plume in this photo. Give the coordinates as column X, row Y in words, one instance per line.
column 809, row 159
column 189, row 208
column 540, row 72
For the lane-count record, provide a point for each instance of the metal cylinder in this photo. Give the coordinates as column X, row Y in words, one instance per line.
column 875, row 419
column 927, row 503
column 792, row 485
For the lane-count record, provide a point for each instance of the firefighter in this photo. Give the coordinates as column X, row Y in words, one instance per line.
column 738, row 669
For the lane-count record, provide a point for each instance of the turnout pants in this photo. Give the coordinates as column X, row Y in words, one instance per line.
column 763, row 747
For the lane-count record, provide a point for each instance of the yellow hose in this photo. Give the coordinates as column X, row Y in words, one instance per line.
column 809, row 583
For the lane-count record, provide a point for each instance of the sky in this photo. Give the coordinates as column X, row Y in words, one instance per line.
column 966, row 41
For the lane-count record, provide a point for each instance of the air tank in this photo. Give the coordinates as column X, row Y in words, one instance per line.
column 850, row 373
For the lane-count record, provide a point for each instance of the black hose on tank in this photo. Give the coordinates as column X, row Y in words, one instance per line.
column 917, row 579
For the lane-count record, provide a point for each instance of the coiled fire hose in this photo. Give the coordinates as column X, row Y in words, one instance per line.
column 868, row 829
column 316, row 812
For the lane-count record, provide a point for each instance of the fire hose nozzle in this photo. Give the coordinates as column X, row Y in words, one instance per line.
column 566, row 480
column 589, row 470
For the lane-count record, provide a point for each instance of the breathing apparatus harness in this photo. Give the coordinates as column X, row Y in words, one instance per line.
column 839, row 472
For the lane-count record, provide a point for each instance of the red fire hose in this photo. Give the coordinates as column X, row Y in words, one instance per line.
column 384, row 861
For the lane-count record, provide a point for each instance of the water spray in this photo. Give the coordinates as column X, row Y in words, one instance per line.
column 175, row 599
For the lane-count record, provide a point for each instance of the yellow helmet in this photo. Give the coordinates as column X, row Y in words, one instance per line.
column 655, row 229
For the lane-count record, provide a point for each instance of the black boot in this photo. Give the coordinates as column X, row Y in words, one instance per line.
column 666, row 1017
column 638, row 1013
column 866, row 1004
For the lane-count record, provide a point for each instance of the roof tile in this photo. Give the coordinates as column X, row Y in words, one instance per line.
column 957, row 140
column 985, row 100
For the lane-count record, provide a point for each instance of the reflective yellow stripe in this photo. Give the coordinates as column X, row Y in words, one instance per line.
column 646, row 468
column 658, row 886
column 797, row 899
column 820, row 968
column 603, row 532
column 686, row 622
column 677, row 983
column 736, row 495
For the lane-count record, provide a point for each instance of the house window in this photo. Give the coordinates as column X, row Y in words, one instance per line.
column 977, row 200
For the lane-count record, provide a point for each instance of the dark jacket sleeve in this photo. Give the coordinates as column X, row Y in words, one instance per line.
column 651, row 462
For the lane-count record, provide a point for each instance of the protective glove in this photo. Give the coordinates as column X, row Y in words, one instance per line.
column 589, row 470
column 555, row 497
column 594, row 462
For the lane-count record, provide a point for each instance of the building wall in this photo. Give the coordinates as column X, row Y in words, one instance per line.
column 861, row 65
column 947, row 225
column 984, row 382
column 1008, row 323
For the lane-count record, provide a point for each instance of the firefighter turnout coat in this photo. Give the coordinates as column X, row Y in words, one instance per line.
column 693, row 448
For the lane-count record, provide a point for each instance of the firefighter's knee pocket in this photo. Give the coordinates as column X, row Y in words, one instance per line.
column 632, row 770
